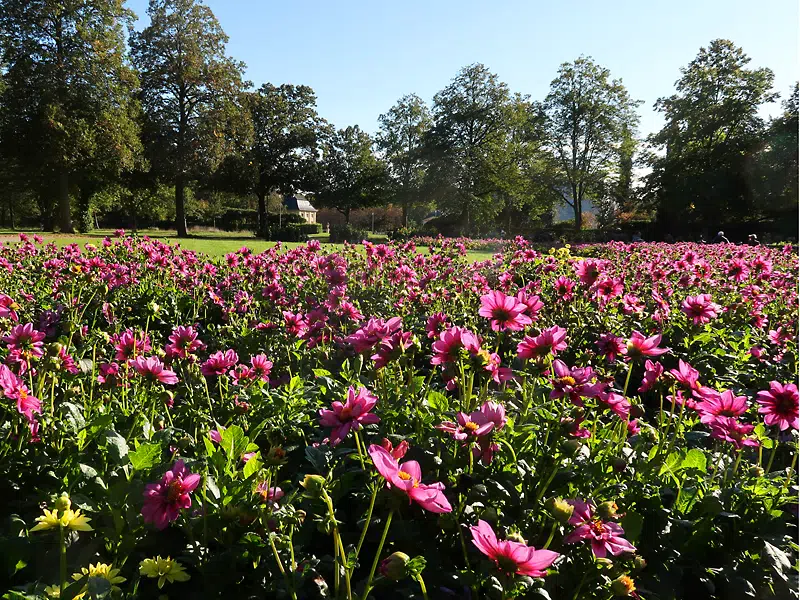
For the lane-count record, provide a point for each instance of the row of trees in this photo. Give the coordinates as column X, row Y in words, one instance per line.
column 97, row 117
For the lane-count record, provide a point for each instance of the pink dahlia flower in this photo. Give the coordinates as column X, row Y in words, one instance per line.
column 604, row 536
column 550, row 341
column 639, row 346
column 408, row 479
column 779, row 405
column 354, row 413
column 504, row 312
column 511, row 557
column 152, row 368
column 163, row 501
column 700, row 309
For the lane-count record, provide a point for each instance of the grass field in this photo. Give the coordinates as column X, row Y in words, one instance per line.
column 213, row 243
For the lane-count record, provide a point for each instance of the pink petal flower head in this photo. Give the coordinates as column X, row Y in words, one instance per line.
column 652, row 373
column 8, row 308
column 354, row 413
column 700, row 309
column 219, row 363
column 129, row 344
column 435, row 324
column 163, row 501
column 731, row 430
column 183, row 342
column 475, row 425
column 25, row 340
column 639, row 346
column 610, row 346
column 604, row 536
column 511, row 557
column 153, row 369
column 574, row 383
column 504, row 312
column 494, row 413
column 396, row 452
column 407, row 479
column 779, row 405
column 716, row 404
column 686, row 375
column 564, row 287
column 550, row 341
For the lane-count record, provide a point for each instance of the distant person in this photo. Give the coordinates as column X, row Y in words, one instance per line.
column 752, row 240
column 637, row 236
column 720, row 238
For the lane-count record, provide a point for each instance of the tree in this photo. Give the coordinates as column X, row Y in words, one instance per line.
column 68, row 112
column 702, row 164
column 351, row 176
column 467, row 147
column 401, row 137
column 191, row 94
column 587, row 114
column 286, row 133
column 778, row 164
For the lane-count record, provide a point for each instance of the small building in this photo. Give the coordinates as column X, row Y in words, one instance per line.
column 298, row 205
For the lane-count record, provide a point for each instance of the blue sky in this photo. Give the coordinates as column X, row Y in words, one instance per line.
column 361, row 56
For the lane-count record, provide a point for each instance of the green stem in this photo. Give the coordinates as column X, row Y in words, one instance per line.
column 358, row 447
column 281, row 569
column 422, row 586
column 547, row 483
column 550, row 537
column 772, row 456
column 368, row 587
column 369, row 519
column 63, row 559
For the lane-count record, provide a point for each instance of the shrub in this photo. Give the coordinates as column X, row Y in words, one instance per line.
column 347, row 233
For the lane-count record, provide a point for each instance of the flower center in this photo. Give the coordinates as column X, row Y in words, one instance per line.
column 507, row 564
column 346, row 414
column 597, row 526
column 471, row 427
column 785, row 405
column 501, row 314
column 175, row 490
column 566, row 380
column 403, row 475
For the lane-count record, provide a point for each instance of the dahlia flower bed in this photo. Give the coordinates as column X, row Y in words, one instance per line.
column 379, row 423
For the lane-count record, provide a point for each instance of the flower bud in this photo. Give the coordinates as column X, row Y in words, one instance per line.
column 54, row 348
column 560, row 509
column 619, row 464
column 394, row 566
column 623, row 586
column 639, row 563
column 756, row 471
column 516, row 536
column 489, row 514
column 637, row 411
column 63, row 502
column 314, row 485
column 570, row 447
column 607, row 510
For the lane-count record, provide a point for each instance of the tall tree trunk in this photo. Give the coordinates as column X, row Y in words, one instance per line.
column 64, row 212
column 405, row 212
column 11, row 214
column 262, row 214
column 578, row 216
column 180, row 207
column 347, row 216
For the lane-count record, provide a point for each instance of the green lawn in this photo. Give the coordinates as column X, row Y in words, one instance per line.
column 213, row 243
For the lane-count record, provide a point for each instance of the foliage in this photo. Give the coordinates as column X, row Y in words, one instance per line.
column 589, row 118
column 191, row 94
column 191, row 425
column 68, row 117
column 401, row 138
column 703, row 170
column 351, row 175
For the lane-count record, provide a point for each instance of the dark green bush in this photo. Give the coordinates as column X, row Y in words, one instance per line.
column 347, row 233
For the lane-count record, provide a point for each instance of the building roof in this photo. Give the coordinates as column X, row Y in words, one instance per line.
column 298, row 202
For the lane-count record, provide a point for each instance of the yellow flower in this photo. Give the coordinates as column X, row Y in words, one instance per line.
column 53, row 591
column 165, row 569
column 103, row 571
column 49, row 520
column 71, row 519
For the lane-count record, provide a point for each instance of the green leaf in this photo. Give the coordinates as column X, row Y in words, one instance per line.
column 234, row 442
column 694, row 459
column 252, row 466
column 117, row 446
column 145, row 456
column 98, row 587
column 438, row 401
column 777, row 559
column 73, row 417
column 632, row 523
column 672, row 463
